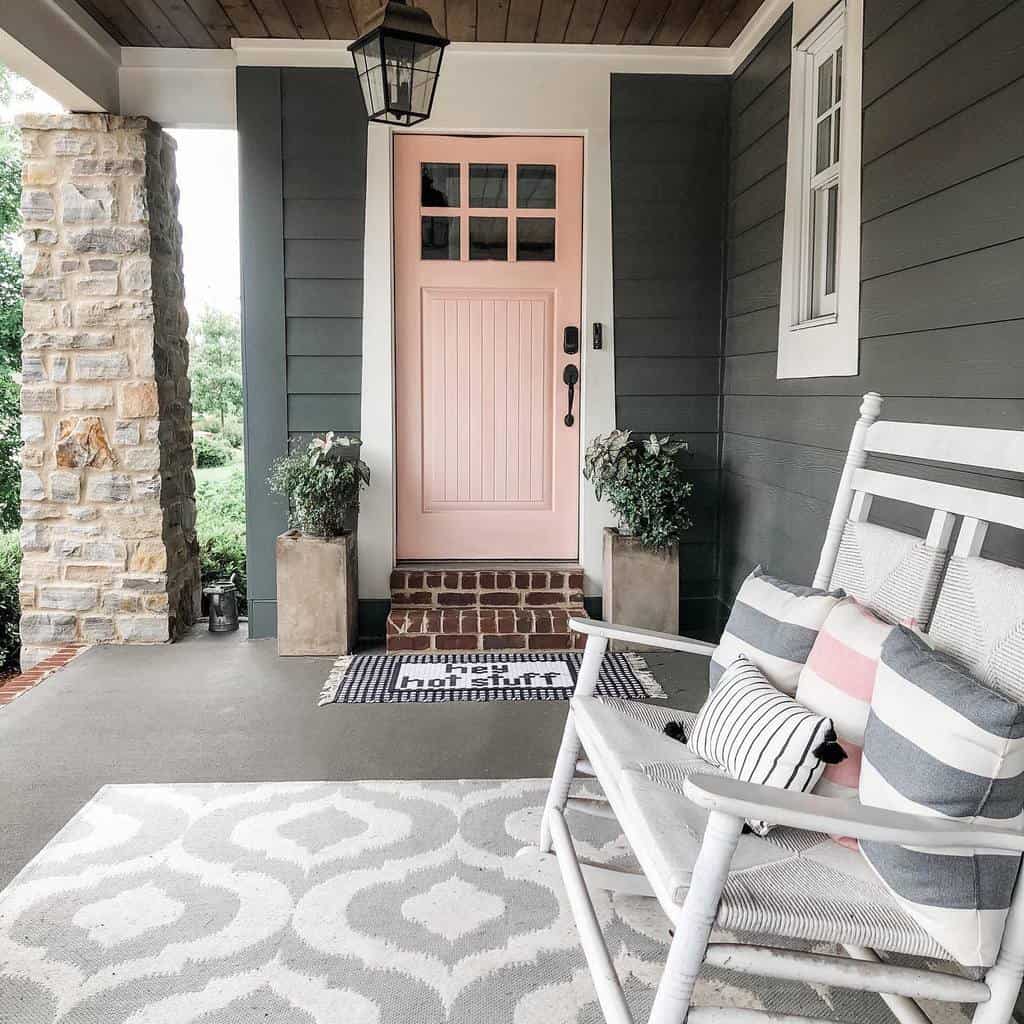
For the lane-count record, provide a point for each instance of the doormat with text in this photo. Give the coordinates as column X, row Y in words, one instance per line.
column 431, row 678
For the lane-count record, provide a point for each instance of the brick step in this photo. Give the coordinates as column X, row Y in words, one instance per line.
column 526, row 587
column 483, row 629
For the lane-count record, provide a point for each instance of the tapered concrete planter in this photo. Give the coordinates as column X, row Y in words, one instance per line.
column 316, row 594
column 641, row 586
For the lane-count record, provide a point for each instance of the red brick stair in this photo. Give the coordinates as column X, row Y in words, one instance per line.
column 503, row 609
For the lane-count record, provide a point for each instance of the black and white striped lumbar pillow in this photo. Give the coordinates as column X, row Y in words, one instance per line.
column 756, row 733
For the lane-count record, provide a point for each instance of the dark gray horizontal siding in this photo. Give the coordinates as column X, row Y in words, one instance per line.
column 319, row 413
column 324, row 258
column 323, row 336
column 975, row 140
column 303, row 280
column 973, row 67
column 324, row 375
column 942, row 298
column 983, row 211
column 668, row 147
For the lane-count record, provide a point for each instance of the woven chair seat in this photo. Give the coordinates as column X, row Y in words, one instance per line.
column 793, row 884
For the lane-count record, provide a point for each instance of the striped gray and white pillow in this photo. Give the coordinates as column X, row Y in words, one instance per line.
column 774, row 624
column 756, row 733
column 940, row 743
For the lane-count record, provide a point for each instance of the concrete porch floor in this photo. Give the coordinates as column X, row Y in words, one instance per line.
column 221, row 708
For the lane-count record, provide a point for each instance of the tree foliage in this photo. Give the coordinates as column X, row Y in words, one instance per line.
column 215, row 364
column 10, row 312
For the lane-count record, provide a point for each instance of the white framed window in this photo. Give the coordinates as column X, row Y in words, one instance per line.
column 819, row 305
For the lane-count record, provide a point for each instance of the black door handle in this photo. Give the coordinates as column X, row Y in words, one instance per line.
column 570, row 376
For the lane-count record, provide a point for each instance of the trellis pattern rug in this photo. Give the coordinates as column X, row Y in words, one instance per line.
column 320, row 903
column 431, row 678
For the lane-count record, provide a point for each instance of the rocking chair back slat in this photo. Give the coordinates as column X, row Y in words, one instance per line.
column 962, row 501
column 982, row 447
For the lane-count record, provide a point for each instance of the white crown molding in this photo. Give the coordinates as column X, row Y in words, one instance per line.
column 169, row 57
column 334, row 53
column 755, row 30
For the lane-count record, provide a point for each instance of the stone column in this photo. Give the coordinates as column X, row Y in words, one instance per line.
column 108, row 492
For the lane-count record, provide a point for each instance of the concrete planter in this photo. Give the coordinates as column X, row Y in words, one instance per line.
column 641, row 586
column 316, row 594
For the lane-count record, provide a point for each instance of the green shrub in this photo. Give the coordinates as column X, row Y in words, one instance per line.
column 644, row 484
column 232, row 433
column 220, row 528
column 211, row 451
column 10, row 609
column 321, row 484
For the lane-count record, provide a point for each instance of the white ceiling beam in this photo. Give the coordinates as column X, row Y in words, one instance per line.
column 61, row 50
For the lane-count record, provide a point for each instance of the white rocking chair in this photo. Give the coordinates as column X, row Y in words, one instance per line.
column 684, row 820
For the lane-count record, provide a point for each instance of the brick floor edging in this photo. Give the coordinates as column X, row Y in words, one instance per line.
column 19, row 684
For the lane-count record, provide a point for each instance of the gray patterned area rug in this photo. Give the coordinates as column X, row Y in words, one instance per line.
column 432, row 678
column 330, row 903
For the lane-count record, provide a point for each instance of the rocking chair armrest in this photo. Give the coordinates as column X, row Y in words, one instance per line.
column 844, row 817
column 636, row 635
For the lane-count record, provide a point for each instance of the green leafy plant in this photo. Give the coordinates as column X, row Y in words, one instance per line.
column 211, row 451
column 10, row 608
column 643, row 483
column 220, row 529
column 321, row 483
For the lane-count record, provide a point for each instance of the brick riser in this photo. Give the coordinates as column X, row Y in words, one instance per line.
column 484, row 610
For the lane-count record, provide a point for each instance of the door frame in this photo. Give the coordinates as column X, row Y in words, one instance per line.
column 578, row 533
column 597, row 411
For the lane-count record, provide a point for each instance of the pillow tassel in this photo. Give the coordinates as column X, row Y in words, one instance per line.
column 830, row 750
column 675, row 731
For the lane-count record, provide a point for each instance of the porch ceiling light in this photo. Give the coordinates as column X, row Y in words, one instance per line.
column 398, row 59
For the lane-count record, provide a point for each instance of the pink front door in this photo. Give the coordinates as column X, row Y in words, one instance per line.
column 488, row 250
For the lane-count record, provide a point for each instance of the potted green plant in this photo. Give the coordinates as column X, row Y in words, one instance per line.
column 643, row 482
column 317, row 593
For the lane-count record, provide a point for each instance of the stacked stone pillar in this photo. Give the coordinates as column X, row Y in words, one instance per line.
column 108, row 491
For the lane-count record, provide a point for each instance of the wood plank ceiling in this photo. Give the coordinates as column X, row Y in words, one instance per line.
column 213, row 23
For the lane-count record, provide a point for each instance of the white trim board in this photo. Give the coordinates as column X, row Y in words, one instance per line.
column 677, row 60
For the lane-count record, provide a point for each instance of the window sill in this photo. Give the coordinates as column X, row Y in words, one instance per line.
column 818, row 321
column 826, row 347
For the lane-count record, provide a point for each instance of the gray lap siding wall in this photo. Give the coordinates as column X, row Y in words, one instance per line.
column 942, row 274
column 302, row 178
column 668, row 160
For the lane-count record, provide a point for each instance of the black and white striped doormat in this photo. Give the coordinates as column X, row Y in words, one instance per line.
column 431, row 678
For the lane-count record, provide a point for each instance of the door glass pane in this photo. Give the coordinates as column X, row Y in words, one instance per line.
column 488, row 238
column 839, row 74
column 835, row 135
column 439, row 238
column 535, row 238
column 439, row 185
column 535, row 186
column 825, row 86
column 823, row 146
column 488, row 185
column 830, row 240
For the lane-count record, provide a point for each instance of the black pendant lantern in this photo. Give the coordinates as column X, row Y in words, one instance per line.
column 398, row 59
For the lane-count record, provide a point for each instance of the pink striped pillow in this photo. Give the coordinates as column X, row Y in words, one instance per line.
column 837, row 680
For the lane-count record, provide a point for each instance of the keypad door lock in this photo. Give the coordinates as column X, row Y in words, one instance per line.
column 571, row 341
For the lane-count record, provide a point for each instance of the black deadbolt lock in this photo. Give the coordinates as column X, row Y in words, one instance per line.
column 571, row 341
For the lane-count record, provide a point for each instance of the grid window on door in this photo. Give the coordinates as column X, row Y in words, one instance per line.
column 452, row 197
